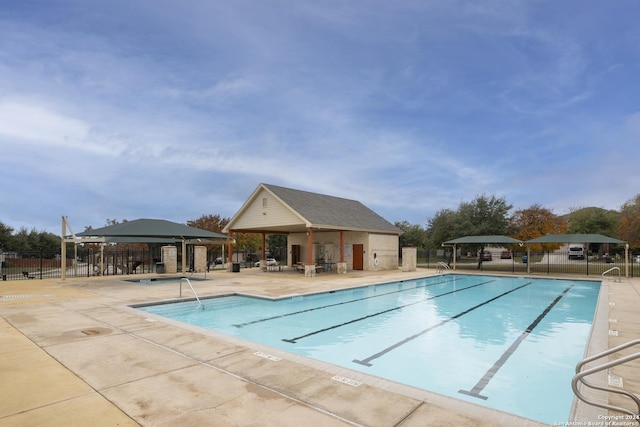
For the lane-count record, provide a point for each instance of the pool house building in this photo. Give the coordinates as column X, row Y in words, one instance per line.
column 324, row 233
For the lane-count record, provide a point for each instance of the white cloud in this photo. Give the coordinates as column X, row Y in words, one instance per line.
column 39, row 125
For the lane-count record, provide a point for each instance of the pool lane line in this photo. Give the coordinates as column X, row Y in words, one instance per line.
column 484, row 381
column 265, row 319
column 294, row 340
column 367, row 361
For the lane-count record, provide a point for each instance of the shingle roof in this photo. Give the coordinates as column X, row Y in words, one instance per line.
column 331, row 212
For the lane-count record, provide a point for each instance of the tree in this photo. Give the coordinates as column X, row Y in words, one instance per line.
column 6, row 233
column 629, row 223
column 441, row 228
column 592, row 221
column 536, row 221
column 483, row 216
column 412, row 234
column 213, row 223
column 249, row 243
column 26, row 242
column 277, row 246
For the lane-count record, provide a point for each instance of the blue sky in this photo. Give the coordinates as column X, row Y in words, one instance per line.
column 126, row 109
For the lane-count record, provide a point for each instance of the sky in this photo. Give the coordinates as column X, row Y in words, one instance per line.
column 171, row 109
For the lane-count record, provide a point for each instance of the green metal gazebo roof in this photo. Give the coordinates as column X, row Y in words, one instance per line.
column 575, row 238
column 152, row 230
column 483, row 239
column 549, row 238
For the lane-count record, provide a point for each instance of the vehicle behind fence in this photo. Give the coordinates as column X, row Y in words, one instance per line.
column 546, row 262
column 82, row 262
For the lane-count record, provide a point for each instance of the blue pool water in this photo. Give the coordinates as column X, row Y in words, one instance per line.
column 510, row 343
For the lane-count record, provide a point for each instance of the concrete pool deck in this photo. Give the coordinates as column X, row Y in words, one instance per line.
column 73, row 353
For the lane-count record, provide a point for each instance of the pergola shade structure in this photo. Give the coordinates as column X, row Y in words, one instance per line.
column 584, row 238
column 575, row 238
column 480, row 240
column 153, row 228
column 549, row 238
column 145, row 231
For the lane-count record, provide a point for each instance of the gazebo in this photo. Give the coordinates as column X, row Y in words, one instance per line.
column 582, row 238
column 141, row 231
column 549, row 238
column 480, row 240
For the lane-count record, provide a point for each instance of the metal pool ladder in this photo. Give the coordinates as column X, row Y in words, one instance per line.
column 581, row 374
column 200, row 305
column 610, row 270
column 441, row 266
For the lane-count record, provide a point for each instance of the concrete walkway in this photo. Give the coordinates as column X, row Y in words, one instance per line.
column 73, row 353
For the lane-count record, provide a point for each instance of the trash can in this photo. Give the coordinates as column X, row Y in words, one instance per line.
column 235, row 267
column 160, row 267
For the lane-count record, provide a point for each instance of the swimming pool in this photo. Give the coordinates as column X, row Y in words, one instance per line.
column 510, row 343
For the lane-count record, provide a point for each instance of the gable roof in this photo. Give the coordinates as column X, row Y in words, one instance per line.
column 318, row 211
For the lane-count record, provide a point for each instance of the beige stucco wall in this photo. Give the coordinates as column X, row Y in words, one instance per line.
column 199, row 259
column 384, row 248
column 327, row 245
column 409, row 258
column 170, row 259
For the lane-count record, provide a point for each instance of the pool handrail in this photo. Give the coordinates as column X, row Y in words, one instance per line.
column 442, row 266
column 580, row 378
column 610, row 270
column 200, row 305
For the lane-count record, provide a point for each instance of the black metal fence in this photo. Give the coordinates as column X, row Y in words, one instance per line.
column 86, row 262
column 556, row 262
column 81, row 262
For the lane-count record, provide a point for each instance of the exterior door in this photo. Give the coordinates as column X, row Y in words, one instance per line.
column 358, row 257
column 295, row 254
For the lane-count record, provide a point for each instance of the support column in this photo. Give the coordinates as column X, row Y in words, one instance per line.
column 409, row 258
column 455, row 256
column 341, row 266
column 626, row 260
column 263, row 256
column 63, row 249
column 310, row 267
column 184, row 256
column 230, row 260
column 309, row 246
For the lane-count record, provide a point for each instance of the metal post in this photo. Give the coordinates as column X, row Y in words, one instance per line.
column 63, row 250
column 626, row 260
